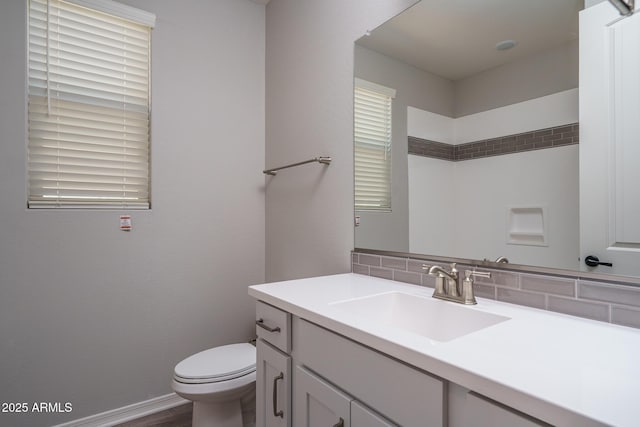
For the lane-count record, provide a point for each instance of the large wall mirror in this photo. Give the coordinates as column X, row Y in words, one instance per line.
column 486, row 153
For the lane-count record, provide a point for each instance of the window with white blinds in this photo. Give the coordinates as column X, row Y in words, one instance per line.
column 372, row 135
column 89, row 104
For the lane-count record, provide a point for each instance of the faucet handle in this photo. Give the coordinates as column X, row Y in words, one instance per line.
column 468, row 296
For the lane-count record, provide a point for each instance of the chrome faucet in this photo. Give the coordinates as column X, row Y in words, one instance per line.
column 451, row 292
column 451, row 288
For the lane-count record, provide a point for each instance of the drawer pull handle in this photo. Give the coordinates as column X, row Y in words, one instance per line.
column 340, row 423
column 260, row 323
column 277, row 413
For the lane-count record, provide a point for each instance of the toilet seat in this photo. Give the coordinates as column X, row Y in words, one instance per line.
column 217, row 364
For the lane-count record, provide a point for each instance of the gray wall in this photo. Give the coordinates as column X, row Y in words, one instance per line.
column 99, row 317
column 416, row 88
column 309, row 106
column 550, row 71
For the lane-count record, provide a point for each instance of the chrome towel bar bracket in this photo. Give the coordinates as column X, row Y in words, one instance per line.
column 321, row 160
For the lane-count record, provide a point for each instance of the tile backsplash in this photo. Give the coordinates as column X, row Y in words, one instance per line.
column 603, row 301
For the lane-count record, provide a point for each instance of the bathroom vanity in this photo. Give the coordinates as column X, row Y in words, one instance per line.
column 353, row 350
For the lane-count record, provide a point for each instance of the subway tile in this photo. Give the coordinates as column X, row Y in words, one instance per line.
column 563, row 129
column 536, row 139
column 543, row 132
column 360, row 269
column 395, row 263
column 521, row 298
column 355, row 257
column 619, row 294
column 367, row 259
column 499, row 278
column 548, row 284
column 381, row 272
column 407, row 277
column 484, row 291
column 625, row 316
column 416, row 265
column 574, row 307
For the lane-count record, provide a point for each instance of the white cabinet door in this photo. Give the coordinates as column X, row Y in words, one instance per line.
column 318, row 403
column 609, row 149
column 480, row 412
column 361, row 416
column 273, row 387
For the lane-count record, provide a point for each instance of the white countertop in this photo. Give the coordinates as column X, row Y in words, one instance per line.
column 562, row 369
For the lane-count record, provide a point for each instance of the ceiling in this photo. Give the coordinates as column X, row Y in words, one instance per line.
column 457, row 38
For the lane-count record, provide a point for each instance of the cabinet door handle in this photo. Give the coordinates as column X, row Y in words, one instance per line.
column 260, row 323
column 340, row 423
column 276, row 413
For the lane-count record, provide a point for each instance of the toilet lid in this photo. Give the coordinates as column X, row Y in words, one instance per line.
column 217, row 364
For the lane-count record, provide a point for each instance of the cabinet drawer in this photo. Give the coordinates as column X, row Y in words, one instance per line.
column 274, row 326
column 371, row 377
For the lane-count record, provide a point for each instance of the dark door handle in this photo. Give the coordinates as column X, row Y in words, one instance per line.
column 593, row 261
column 274, row 398
column 260, row 322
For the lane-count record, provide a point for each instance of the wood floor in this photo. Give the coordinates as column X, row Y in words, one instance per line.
column 180, row 416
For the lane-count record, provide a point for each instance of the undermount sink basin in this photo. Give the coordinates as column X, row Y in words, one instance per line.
column 435, row 319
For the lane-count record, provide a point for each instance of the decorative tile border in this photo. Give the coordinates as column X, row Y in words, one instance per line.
column 534, row 140
column 597, row 300
column 427, row 148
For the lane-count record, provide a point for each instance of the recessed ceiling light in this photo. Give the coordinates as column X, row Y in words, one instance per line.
column 506, row 44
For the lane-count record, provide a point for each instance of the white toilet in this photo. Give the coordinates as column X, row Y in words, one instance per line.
column 221, row 383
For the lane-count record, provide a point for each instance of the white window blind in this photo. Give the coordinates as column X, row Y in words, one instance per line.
column 89, row 80
column 372, row 134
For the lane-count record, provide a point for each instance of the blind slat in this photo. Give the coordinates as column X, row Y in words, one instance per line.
column 372, row 141
column 88, row 108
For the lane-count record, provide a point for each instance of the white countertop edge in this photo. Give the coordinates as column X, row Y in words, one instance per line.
column 535, row 405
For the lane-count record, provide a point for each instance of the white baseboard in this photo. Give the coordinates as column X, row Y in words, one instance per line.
column 128, row 413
